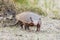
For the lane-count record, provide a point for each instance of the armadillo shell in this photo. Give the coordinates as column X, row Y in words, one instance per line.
column 25, row 17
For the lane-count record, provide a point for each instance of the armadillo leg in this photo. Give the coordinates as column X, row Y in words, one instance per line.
column 38, row 27
column 21, row 26
column 26, row 26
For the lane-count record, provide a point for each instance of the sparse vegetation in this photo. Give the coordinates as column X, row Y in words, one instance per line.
column 49, row 7
column 50, row 27
column 32, row 5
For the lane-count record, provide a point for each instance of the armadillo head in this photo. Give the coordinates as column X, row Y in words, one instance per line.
column 35, row 22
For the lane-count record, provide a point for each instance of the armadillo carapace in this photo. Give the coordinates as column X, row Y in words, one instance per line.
column 29, row 19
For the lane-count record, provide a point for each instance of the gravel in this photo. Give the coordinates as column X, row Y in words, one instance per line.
column 50, row 30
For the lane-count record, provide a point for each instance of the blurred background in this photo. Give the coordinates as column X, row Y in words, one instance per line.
column 43, row 7
column 48, row 9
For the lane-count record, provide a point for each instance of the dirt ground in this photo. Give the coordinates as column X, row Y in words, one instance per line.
column 50, row 30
